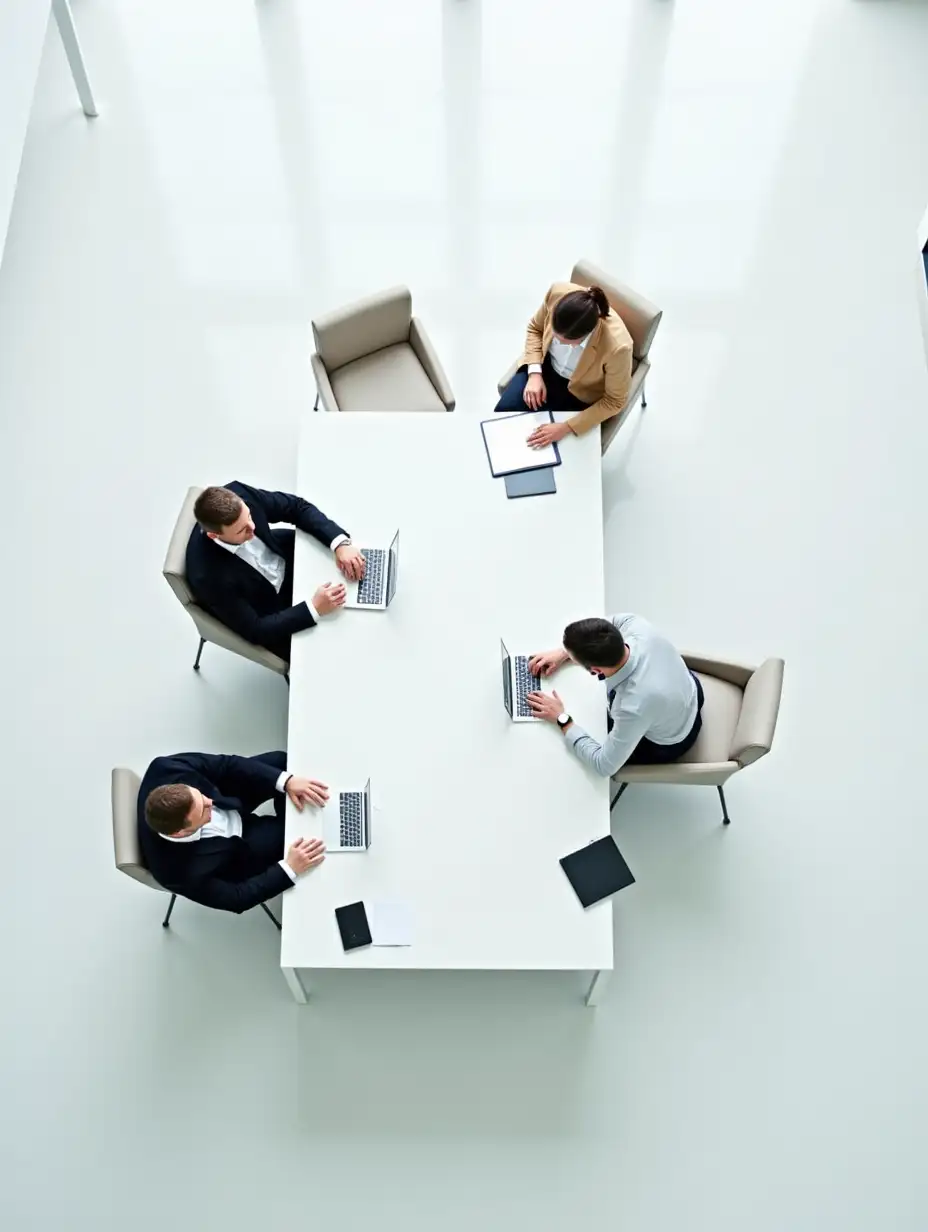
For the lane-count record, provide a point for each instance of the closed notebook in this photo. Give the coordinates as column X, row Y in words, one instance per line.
column 353, row 926
column 597, row 870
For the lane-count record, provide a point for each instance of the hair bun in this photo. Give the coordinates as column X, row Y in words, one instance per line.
column 598, row 297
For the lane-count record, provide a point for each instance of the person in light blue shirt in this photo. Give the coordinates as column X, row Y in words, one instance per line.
column 654, row 700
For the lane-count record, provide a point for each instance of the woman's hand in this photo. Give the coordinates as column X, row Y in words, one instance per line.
column 535, row 393
column 547, row 434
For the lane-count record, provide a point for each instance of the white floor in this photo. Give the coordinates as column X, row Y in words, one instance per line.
column 759, row 171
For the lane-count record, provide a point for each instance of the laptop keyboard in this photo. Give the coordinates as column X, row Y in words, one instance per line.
column 370, row 588
column 525, row 683
column 350, row 827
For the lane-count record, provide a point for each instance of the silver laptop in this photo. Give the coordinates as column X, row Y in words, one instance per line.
column 518, row 682
column 378, row 586
column 346, row 820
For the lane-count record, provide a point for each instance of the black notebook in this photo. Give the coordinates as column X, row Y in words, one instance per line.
column 353, row 926
column 597, row 870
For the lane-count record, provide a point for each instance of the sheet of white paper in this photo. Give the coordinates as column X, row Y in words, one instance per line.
column 506, row 443
column 390, row 923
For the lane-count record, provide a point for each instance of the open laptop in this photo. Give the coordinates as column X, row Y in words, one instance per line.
column 346, row 820
column 378, row 586
column 518, row 682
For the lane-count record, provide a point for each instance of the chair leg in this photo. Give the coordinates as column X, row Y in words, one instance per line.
column 196, row 663
column 316, row 403
column 273, row 918
column 644, row 401
column 726, row 820
column 167, row 918
column 615, row 798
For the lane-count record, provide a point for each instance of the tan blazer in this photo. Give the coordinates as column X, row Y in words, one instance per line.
column 604, row 372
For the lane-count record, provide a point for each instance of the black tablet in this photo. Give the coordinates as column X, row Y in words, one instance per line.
column 597, row 870
column 353, row 926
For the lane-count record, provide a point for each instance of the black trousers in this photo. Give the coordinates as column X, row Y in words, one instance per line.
column 647, row 753
column 264, row 836
column 559, row 396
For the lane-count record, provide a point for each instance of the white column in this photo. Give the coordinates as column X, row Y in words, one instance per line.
column 72, row 47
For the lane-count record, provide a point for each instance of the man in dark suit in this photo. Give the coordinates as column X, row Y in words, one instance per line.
column 242, row 571
column 201, row 838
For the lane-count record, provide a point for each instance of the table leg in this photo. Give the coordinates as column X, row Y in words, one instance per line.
column 597, row 987
column 295, row 984
column 72, row 47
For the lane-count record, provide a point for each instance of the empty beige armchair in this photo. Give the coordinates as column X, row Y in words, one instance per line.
column 209, row 628
column 739, row 718
column 374, row 355
column 641, row 319
column 124, row 787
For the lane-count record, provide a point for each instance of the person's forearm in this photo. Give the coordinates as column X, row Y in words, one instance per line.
column 605, row 759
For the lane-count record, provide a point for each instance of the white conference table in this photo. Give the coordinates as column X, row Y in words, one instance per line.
column 470, row 811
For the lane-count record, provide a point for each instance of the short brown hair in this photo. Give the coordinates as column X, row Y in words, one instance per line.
column 167, row 807
column 217, row 508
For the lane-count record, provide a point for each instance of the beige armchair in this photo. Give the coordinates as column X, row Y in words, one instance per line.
column 209, row 628
column 374, row 355
column 739, row 718
column 641, row 319
column 126, row 847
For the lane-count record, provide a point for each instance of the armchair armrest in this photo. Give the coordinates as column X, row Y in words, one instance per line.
column 758, row 720
column 323, row 384
column 428, row 358
column 737, row 674
column 509, row 374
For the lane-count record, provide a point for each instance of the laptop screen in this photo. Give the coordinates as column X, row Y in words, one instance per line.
column 393, row 565
column 366, row 814
column 507, row 678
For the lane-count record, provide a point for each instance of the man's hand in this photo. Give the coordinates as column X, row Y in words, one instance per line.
column 534, row 393
column 351, row 561
column 305, row 853
column 545, row 706
column 306, row 791
column 547, row 434
column 328, row 597
column 547, row 661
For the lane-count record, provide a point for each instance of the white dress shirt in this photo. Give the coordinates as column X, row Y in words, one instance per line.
column 227, row 823
column 653, row 695
column 564, row 357
column 269, row 564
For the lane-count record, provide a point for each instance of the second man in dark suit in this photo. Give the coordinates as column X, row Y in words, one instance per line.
column 241, row 569
column 202, row 839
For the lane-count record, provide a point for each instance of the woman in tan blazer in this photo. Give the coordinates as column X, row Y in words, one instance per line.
column 578, row 357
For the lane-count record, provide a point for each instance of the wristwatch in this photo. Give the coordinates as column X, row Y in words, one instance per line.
column 563, row 720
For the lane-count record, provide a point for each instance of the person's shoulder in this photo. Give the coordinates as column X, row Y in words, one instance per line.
column 165, row 769
column 160, row 771
column 619, row 336
column 200, row 555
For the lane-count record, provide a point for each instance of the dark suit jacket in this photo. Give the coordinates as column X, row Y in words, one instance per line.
column 235, row 592
column 217, row 872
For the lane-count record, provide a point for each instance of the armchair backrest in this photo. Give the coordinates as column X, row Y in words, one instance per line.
column 641, row 317
column 359, row 329
column 175, row 561
column 126, row 848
